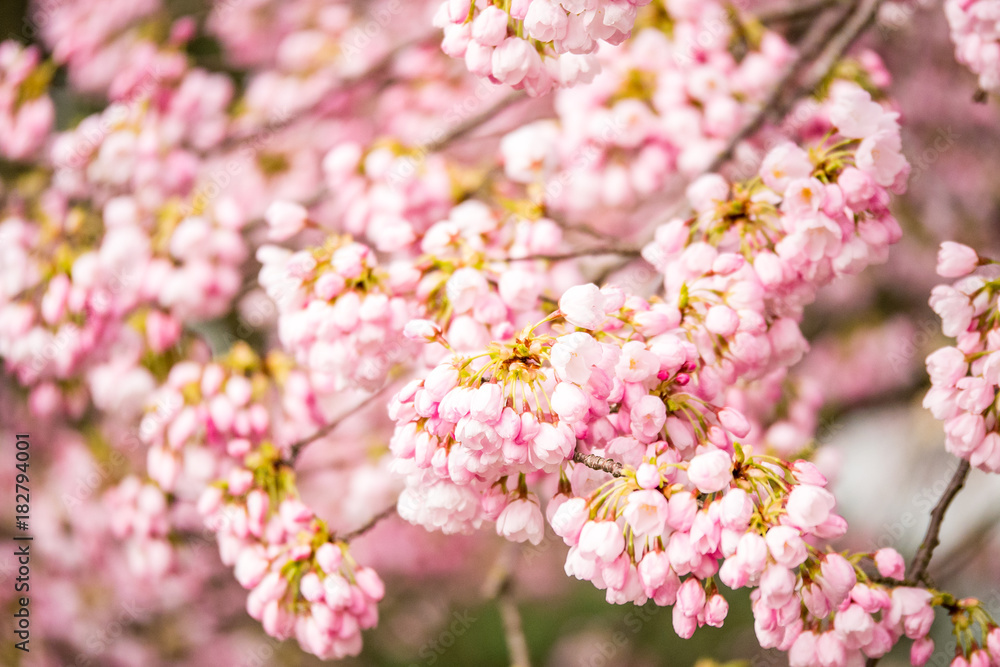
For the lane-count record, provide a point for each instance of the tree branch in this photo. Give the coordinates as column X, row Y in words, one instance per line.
column 575, row 254
column 595, row 462
column 922, row 560
column 499, row 585
column 384, row 514
column 794, row 11
column 469, row 125
column 296, row 447
column 825, row 43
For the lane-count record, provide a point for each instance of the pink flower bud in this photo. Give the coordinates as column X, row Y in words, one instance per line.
column 583, row 305
column 684, row 625
column 570, row 403
column 647, row 476
column 808, row 506
column 711, row 471
column 285, row 219
column 837, row 578
column 716, row 610
column 569, row 519
column 921, row 651
column 691, row 597
column 329, row 557
column 251, row 566
column 734, row 422
column 311, row 587
column 490, row 27
column 370, row 583
column 722, row 320
column 736, row 508
column 786, row 546
column 955, row 260
column 890, row 564
column 421, row 330
column 806, row 472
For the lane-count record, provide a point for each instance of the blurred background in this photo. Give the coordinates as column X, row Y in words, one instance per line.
column 869, row 336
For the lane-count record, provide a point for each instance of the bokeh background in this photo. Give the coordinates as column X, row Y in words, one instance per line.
column 870, row 336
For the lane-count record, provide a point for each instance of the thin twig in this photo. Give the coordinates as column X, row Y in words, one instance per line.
column 793, row 11
column 513, row 629
column 375, row 520
column 499, row 585
column 469, row 125
column 595, row 462
column 931, row 538
column 375, row 69
column 969, row 547
column 825, row 43
column 575, row 254
column 296, row 448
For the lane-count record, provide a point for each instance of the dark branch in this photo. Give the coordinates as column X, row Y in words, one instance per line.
column 575, row 254
column 463, row 129
column 384, row 514
column 922, row 560
column 296, row 448
column 824, row 44
column 595, row 462
column 794, row 11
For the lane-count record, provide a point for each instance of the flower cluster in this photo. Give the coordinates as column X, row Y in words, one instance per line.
column 520, row 408
column 302, row 581
column 965, row 377
column 139, row 514
column 208, row 414
column 664, row 103
column 336, row 304
column 26, row 110
column 975, row 30
column 809, row 216
column 392, row 196
column 537, row 44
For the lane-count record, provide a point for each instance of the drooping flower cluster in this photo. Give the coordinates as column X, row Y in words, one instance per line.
column 207, row 415
column 965, row 376
column 534, row 45
column 302, row 581
column 520, row 408
column 975, row 30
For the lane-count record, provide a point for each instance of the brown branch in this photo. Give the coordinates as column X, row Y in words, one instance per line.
column 469, row 125
column 922, row 560
column 575, row 254
column 375, row 69
column 375, row 520
column 595, row 462
column 918, row 568
column 825, row 42
column 794, row 11
column 968, row 548
column 499, row 585
column 296, row 448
